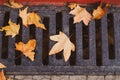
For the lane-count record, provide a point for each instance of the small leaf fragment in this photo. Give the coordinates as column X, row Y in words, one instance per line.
column 13, row 4
column 2, row 76
column 27, row 49
column 72, row 5
column 99, row 12
column 12, row 29
column 81, row 14
column 2, row 66
column 63, row 43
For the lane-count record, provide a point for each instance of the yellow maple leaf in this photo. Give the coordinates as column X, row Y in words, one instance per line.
column 31, row 18
column 81, row 14
column 27, row 49
column 34, row 18
column 99, row 12
column 2, row 76
column 63, row 43
column 13, row 4
column 12, row 29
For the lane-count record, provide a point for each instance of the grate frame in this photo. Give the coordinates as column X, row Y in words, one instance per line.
column 58, row 66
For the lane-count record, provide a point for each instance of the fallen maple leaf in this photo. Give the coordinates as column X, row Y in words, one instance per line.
column 63, row 43
column 27, row 49
column 81, row 14
column 13, row 4
column 23, row 14
column 12, row 29
column 34, row 18
column 72, row 5
column 2, row 76
column 2, row 66
column 99, row 12
column 31, row 18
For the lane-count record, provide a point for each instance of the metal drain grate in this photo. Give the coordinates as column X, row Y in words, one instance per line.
column 97, row 46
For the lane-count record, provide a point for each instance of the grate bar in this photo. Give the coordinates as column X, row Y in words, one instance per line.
column 25, row 38
column 38, row 50
column 92, row 44
column 65, row 29
column 52, row 29
column 105, row 52
column 79, row 48
column 117, row 36
column 1, row 23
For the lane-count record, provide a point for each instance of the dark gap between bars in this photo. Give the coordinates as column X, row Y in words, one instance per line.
column 98, row 43
column 111, row 36
column 45, row 45
column 5, row 38
column 85, row 37
column 72, row 37
column 32, row 31
column 18, row 54
column 59, row 28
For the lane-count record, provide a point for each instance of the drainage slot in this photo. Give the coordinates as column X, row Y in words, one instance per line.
column 32, row 31
column 45, row 47
column 4, row 38
column 72, row 37
column 18, row 39
column 58, row 28
column 98, row 43
column 111, row 36
column 85, row 40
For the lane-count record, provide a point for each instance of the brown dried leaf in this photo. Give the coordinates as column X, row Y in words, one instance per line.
column 63, row 43
column 27, row 49
column 12, row 29
column 99, row 12
column 2, row 76
column 81, row 14
column 13, row 4
column 31, row 18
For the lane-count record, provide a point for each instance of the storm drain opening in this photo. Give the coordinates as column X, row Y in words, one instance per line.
column 95, row 44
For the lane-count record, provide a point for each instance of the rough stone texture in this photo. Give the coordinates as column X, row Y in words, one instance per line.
column 78, row 77
column 41, row 77
column 110, row 77
column 25, row 77
column 63, row 77
column 60, row 77
column 95, row 78
column 117, row 77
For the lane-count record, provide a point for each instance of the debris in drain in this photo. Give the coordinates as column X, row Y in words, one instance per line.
column 99, row 12
column 12, row 29
column 13, row 4
column 27, row 49
column 31, row 18
column 81, row 14
column 2, row 76
column 72, row 5
column 2, row 66
column 63, row 43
